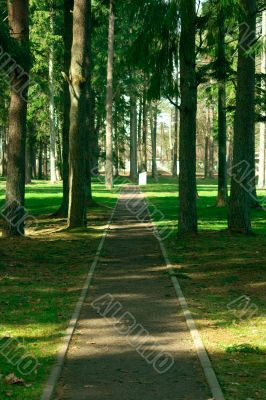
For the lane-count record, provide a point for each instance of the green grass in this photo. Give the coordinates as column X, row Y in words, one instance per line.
column 215, row 269
column 40, row 281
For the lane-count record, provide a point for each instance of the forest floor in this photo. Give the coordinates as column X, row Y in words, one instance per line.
column 223, row 277
column 224, row 280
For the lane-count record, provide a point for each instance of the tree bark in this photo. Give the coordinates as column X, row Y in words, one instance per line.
column 18, row 17
column 4, row 152
column 77, row 140
column 242, row 184
column 40, row 160
column 187, row 176
column 176, row 136
column 68, row 36
column 222, row 122
column 262, row 159
column 53, row 177
column 109, row 101
column 153, row 124
column 133, row 140
column 144, row 134
column 206, row 156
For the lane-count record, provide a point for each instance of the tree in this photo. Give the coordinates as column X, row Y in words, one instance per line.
column 133, row 140
column 53, row 177
column 239, row 219
column 153, row 126
column 18, row 18
column 109, row 101
column 188, row 89
column 78, row 81
column 68, row 36
column 262, row 164
column 222, row 134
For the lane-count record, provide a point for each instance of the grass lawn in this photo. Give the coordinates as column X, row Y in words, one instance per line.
column 40, row 281
column 216, row 270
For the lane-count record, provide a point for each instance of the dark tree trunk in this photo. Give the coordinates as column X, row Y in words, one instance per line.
column 133, row 140
column 45, row 161
column 187, row 176
column 18, row 16
column 176, row 136
column 140, row 134
column 241, row 172
column 77, row 132
column 206, row 157
column 144, row 135
column 68, row 35
column 40, row 161
column 4, row 153
column 153, row 124
column 90, row 110
column 222, row 134
column 109, row 101
column 28, row 165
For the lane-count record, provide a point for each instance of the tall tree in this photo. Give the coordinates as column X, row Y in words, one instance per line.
column 242, row 184
column 18, row 18
column 222, row 134
column 133, row 139
column 188, row 87
column 78, row 89
column 53, row 177
column 153, row 126
column 109, row 100
column 262, row 158
column 68, row 36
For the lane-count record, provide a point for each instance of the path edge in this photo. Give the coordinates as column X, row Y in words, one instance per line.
column 201, row 350
column 55, row 374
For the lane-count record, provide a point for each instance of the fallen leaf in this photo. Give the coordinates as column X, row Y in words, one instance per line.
column 12, row 379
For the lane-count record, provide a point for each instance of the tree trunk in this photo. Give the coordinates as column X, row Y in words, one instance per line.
column 206, row 156
column 187, row 176
column 222, row 123
column 109, row 101
column 140, row 134
column 77, row 140
column 144, row 135
column 45, row 161
column 241, row 172
column 4, row 152
column 40, row 161
column 18, row 17
column 153, row 124
column 28, row 165
column 68, row 35
column 262, row 164
column 133, row 140
column 89, row 113
column 53, row 178
column 175, row 148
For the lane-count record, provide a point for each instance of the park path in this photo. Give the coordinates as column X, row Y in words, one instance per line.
column 105, row 363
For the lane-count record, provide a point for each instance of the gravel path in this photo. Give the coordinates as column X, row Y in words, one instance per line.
column 132, row 341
